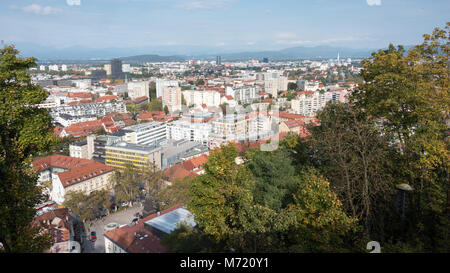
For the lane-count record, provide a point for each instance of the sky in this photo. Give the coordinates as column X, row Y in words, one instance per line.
column 244, row 24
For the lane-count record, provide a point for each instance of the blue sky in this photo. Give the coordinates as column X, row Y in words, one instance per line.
column 243, row 24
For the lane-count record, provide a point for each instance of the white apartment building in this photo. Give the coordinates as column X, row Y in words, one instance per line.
column 274, row 81
column 82, row 149
column 89, row 109
column 67, row 120
column 126, row 68
column 138, row 89
column 308, row 85
column 82, row 83
column 160, row 86
column 243, row 94
column 199, row 97
column 53, row 67
column 87, row 178
column 107, row 68
column 145, row 133
column 309, row 103
column 260, row 127
column 229, row 128
column 172, row 98
column 193, row 131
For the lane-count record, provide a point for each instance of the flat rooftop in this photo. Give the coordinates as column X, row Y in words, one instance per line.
column 169, row 221
column 80, row 143
column 127, row 147
column 174, row 147
column 143, row 126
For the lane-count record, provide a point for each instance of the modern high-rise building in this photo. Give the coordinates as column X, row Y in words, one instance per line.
column 97, row 75
column 160, row 85
column 149, row 133
column 116, row 69
column 138, row 89
column 199, row 97
column 219, row 60
column 172, row 98
column 192, row 127
column 126, row 68
column 107, row 68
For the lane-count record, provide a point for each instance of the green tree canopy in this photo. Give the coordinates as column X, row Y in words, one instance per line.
column 407, row 92
column 25, row 131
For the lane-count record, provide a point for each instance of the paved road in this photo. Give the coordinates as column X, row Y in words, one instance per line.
column 121, row 218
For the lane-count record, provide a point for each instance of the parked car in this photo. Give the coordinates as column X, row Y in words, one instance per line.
column 93, row 236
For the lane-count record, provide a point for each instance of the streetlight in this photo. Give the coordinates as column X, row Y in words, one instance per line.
column 403, row 190
column 238, row 160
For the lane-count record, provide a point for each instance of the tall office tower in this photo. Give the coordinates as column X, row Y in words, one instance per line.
column 338, row 58
column 265, row 60
column 116, row 69
column 219, row 60
column 97, row 75
column 172, row 98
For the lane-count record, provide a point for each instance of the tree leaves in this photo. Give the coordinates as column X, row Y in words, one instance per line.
column 25, row 131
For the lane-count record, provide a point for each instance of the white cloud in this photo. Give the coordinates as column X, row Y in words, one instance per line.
column 250, row 43
column 373, row 2
column 203, row 4
column 37, row 9
column 73, row 2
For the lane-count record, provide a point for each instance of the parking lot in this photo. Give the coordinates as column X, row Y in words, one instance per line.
column 121, row 217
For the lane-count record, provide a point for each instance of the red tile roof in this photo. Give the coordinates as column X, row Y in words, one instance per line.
column 82, row 95
column 107, row 98
column 147, row 115
column 60, row 232
column 294, row 123
column 194, row 163
column 83, row 173
column 177, row 171
column 59, row 161
column 86, row 101
column 57, row 130
column 140, row 99
column 290, row 115
column 84, row 128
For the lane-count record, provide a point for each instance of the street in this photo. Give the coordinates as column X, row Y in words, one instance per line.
column 121, row 218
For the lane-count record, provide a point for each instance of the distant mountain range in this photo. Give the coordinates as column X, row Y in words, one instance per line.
column 180, row 53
